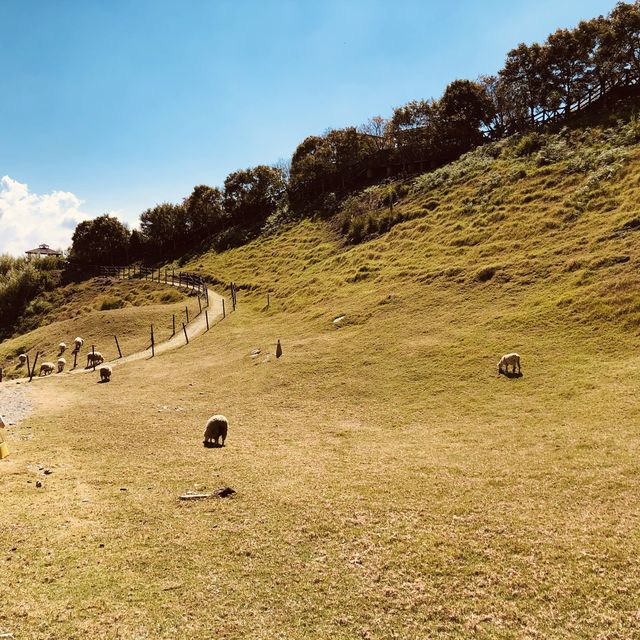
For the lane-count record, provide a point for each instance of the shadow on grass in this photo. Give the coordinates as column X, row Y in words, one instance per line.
column 212, row 445
column 512, row 374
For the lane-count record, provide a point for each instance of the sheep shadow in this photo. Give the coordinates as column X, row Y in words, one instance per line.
column 212, row 445
column 511, row 374
column 102, row 381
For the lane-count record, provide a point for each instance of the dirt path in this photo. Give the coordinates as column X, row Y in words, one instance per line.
column 15, row 401
column 195, row 328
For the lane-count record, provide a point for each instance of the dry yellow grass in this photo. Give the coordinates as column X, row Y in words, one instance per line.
column 388, row 484
column 147, row 303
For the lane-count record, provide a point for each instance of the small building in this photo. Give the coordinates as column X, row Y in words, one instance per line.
column 42, row 250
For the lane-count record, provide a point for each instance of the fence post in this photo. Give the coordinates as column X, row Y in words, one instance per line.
column 186, row 337
column 199, row 305
column 28, row 365
column 153, row 351
column 174, row 325
column 186, row 310
column 75, row 358
column 117, row 345
column 224, row 315
column 1, row 373
column 35, row 361
column 206, row 317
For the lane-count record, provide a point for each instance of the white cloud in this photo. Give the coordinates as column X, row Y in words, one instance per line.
column 28, row 219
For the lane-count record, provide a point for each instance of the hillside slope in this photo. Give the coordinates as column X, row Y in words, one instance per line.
column 550, row 221
column 388, row 483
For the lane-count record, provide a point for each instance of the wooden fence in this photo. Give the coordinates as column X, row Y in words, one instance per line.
column 627, row 79
column 185, row 279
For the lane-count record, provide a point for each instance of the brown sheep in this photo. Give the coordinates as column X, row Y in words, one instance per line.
column 217, row 428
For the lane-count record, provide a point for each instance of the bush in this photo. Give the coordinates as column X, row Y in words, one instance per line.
column 528, row 144
column 111, row 303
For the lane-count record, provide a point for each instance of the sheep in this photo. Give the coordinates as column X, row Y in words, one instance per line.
column 77, row 345
column 94, row 358
column 46, row 368
column 22, row 358
column 217, row 427
column 105, row 374
column 512, row 359
column 61, row 363
column 62, row 347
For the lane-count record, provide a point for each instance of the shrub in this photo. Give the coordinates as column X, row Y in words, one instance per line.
column 528, row 144
column 111, row 303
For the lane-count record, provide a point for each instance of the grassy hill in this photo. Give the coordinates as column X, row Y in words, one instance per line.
column 388, row 483
column 96, row 310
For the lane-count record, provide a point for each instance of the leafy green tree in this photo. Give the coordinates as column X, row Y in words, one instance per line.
column 252, row 195
column 414, row 129
column 325, row 168
column 567, row 56
column 204, row 213
column 103, row 240
column 620, row 42
column 466, row 111
column 524, row 81
column 163, row 229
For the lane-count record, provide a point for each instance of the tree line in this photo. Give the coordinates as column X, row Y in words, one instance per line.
column 420, row 135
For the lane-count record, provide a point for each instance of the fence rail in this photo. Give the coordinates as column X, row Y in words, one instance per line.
column 546, row 116
column 190, row 281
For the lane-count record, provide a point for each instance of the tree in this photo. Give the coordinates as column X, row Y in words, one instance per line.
column 326, row 167
column 163, row 229
column 524, row 80
column 376, row 128
column 466, row 111
column 204, row 213
column 567, row 57
column 413, row 128
column 620, row 43
column 252, row 195
column 103, row 240
column 497, row 126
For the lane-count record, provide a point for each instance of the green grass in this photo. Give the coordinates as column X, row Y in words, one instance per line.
column 389, row 485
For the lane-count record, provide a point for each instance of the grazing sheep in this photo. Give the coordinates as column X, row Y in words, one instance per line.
column 217, row 427
column 94, row 358
column 46, row 368
column 22, row 358
column 62, row 347
column 512, row 359
column 77, row 345
column 61, row 363
column 105, row 374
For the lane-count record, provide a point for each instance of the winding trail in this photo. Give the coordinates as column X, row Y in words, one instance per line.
column 195, row 328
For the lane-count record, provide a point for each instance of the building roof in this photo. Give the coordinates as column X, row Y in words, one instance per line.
column 44, row 250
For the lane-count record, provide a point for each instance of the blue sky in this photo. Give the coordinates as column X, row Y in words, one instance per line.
column 115, row 105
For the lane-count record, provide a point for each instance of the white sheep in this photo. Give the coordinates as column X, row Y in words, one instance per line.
column 94, row 358
column 61, row 363
column 22, row 358
column 46, row 368
column 105, row 373
column 512, row 359
column 77, row 345
column 62, row 347
column 217, row 427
